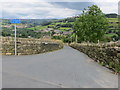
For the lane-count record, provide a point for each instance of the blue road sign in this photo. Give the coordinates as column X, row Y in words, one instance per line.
column 17, row 21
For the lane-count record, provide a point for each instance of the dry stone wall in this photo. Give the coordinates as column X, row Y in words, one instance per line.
column 27, row 46
column 107, row 54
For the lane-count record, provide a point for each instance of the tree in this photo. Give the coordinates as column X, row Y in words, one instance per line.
column 91, row 25
column 118, row 33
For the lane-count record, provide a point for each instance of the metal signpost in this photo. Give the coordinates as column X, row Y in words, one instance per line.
column 15, row 21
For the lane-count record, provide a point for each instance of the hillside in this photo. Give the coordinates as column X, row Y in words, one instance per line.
column 65, row 27
column 58, row 28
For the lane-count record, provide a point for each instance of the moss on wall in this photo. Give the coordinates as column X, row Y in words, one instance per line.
column 27, row 46
column 107, row 54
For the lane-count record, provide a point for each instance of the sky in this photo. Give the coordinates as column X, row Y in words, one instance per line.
column 51, row 9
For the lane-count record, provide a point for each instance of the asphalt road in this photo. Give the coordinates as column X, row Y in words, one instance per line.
column 66, row 68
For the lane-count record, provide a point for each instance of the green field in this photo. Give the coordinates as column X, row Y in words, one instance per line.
column 64, row 28
column 111, row 34
column 38, row 28
column 112, row 19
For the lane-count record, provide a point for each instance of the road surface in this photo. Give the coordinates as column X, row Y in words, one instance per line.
column 66, row 68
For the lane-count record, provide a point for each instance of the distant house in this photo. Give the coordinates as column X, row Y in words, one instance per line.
column 18, row 26
column 21, row 26
column 44, row 30
column 67, row 33
column 37, row 31
column 57, row 31
column 7, row 26
column 49, row 29
column 56, row 34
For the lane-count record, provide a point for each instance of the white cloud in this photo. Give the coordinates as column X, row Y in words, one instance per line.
column 35, row 10
column 43, row 9
column 59, row 0
column 20, row 0
column 108, row 7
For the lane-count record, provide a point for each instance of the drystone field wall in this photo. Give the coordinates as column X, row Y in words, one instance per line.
column 107, row 55
column 27, row 46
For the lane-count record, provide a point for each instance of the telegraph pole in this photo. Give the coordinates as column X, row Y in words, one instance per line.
column 15, row 41
column 76, row 38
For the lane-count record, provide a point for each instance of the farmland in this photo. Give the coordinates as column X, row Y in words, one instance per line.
column 55, row 27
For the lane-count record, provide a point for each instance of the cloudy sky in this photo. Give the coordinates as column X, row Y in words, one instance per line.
column 49, row 9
